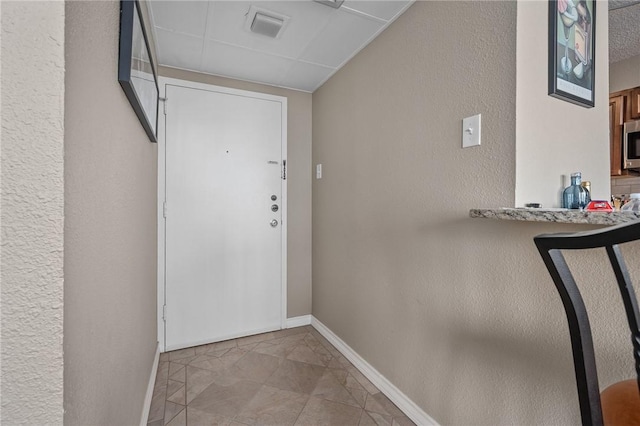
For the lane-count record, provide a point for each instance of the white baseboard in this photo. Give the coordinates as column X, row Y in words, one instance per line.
column 415, row 413
column 298, row 321
column 152, row 381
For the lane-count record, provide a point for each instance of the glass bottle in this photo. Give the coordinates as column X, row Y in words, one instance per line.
column 575, row 196
column 587, row 185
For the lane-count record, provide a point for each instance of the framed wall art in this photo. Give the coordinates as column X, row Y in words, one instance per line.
column 572, row 37
column 136, row 71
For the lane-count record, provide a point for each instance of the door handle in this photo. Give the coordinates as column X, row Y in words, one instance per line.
column 274, row 223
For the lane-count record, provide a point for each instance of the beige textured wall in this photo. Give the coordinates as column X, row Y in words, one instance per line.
column 624, row 74
column 554, row 137
column 110, row 230
column 299, row 185
column 459, row 313
column 32, row 50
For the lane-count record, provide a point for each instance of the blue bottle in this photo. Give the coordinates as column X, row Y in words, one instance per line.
column 575, row 196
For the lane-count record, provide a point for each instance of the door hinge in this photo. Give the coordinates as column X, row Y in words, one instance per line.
column 164, row 312
column 164, row 209
column 284, row 169
column 164, row 107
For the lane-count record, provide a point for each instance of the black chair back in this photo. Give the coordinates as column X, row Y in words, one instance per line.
column 550, row 247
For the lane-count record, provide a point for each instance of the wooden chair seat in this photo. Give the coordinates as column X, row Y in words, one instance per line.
column 621, row 404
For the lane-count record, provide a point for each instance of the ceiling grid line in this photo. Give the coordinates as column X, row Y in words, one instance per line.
column 206, row 29
column 364, row 15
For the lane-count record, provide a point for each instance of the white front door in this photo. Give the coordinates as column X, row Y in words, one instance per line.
column 224, row 202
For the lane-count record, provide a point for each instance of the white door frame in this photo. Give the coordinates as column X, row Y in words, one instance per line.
column 166, row 106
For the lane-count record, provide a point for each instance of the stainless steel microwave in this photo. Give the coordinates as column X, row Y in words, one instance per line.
column 631, row 144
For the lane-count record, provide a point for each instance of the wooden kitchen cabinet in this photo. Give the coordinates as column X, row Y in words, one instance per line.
column 616, row 122
column 634, row 103
column 623, row 106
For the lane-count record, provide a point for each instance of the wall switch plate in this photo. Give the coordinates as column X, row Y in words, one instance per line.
column 318, row 171
column 471, row 131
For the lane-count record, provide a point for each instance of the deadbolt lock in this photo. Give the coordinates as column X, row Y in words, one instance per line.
column 274, row 197
column 274, row 208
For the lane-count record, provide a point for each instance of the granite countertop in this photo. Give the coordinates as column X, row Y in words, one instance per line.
column 556, row 215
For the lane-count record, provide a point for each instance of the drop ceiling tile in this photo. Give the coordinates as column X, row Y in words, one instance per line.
column 381, row 9
column 344, row 35
column 307, row 18
column 243, row 64
column 187, row 17
column 179, row 50
column 305, row 76
column 210, row 36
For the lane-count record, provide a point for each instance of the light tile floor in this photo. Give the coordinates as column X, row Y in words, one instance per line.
column 288, row 377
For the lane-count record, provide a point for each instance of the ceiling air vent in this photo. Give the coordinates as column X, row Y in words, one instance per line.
column 265, row 22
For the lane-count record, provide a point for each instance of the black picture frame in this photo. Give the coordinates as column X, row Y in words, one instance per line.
column 572, row 70
column 136, row 70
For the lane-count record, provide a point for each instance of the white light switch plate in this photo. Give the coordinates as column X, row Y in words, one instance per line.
column 471, row 131
column 318, row 171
